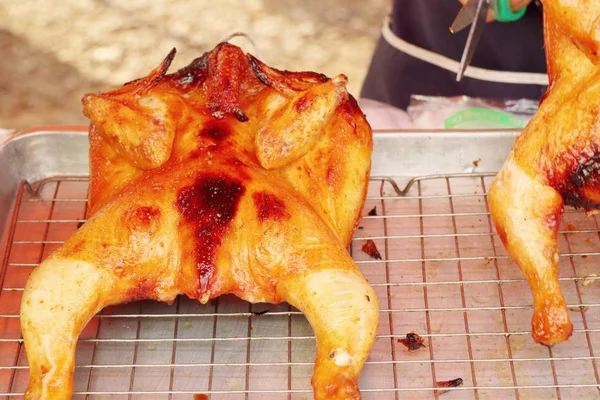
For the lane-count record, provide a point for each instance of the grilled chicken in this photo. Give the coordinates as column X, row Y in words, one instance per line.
column 226, row 176
column 554, row 162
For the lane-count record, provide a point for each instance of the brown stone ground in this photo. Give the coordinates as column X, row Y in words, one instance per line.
column 52, row 52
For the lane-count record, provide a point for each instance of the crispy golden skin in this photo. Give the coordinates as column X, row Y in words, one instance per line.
column 555, row 161
column 224, row 177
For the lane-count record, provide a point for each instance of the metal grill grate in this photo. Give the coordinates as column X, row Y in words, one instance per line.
column 444, row 274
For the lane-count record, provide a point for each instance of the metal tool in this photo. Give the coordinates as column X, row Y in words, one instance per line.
column 474, row 13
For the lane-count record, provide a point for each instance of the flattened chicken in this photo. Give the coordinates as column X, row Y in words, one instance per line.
column 555, row 161
column 226, row 176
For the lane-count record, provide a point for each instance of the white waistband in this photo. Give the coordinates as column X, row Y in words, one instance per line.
column 527, row 78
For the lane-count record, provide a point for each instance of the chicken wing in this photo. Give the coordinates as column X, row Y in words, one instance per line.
column 226, row 176
column 554, row 162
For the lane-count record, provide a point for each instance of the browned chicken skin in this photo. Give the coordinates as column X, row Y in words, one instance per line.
column 555, row 161
column 224, row 177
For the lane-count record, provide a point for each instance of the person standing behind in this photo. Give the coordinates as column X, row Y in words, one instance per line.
column 417, row 54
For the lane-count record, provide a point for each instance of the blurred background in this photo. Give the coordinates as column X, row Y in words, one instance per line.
column 52, row 52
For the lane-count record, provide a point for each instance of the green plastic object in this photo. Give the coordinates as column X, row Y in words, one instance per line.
column 483, row 118
column 503, row 12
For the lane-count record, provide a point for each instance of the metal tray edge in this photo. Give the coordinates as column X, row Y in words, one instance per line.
column 46, row 151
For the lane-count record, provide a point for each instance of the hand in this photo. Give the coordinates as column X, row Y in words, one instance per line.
column 514, row 5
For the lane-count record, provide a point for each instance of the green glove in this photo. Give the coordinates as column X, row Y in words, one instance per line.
column 503, row 13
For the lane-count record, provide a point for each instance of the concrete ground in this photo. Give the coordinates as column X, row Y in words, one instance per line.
column 55, row 51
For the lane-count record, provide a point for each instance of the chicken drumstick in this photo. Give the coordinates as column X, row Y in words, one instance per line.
column 555, row 161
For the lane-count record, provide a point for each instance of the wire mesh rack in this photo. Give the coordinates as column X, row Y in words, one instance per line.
column 443, row 274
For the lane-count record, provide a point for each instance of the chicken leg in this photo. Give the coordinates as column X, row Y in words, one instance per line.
column 203, row 217
column 555, row 161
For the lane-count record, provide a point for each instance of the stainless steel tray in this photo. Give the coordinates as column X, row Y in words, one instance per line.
column 444, row 275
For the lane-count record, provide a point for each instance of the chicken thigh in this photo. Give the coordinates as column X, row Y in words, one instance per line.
column 226, row 176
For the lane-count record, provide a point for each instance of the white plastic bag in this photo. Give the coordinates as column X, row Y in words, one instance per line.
column 383, row 116
column 463, row 112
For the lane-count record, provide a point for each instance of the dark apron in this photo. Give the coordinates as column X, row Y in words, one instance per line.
column 394, row 76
